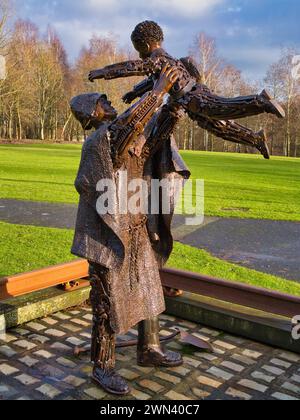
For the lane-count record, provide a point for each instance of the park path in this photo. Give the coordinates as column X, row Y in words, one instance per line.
column 269, row 246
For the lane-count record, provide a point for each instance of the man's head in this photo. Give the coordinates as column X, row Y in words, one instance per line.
column 92, row 109
column 147, row 37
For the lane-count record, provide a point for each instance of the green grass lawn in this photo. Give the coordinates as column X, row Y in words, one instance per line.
column 27, row 248
column 41, row 172
column 244, row 186
column 261, row 189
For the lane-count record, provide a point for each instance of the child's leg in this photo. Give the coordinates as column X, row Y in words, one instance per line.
column 201, row 101
column 234, row 132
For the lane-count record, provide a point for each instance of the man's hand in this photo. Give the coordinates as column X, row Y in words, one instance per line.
column 96, row 74
column 168, row 78
column 129, row 97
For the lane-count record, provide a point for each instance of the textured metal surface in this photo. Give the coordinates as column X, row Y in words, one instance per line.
column 103, row 336
column 42, row 279
column 123, row 242
column 212, row 112
column 150, row 352
column 195, row 341
column 234, row 292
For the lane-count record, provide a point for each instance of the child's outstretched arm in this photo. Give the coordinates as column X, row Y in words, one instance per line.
column 124, row 69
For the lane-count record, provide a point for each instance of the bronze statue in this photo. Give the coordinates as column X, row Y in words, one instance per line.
column 125, row 251
column 210, row 111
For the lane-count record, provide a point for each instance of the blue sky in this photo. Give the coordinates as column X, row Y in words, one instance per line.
column 249, row 33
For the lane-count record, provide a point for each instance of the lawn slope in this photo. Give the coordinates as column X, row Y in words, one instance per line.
column 244, row 186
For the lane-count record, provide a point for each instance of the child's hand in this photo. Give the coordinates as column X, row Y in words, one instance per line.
column 96, row 74
column 129, row 97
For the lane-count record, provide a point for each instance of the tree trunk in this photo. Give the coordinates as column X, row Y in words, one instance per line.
column 42, row 129
column 10, row 125
column 20, row 131
column 65, row 127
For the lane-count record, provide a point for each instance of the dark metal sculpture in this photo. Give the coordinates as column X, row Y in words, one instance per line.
column 210, row 111
column 126, row 251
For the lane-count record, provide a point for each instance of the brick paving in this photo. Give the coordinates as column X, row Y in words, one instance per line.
column 37, row 363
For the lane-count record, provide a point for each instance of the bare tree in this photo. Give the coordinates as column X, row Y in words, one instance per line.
column 34, row 98
column 287, row 89
column 5, row 14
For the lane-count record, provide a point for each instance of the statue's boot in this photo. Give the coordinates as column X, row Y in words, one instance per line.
column 150, row 353
column 103, row 337
column 110, row 381
column 262, row 144
column 104, row 373
column 272, row 106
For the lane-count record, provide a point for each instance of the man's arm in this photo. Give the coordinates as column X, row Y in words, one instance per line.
column 131, row 124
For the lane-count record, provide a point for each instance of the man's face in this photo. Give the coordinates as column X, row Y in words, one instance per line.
column 104, row 110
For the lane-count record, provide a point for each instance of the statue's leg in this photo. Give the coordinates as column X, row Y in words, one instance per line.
column 150, row 352
column 103, row 337
column 203, row 102
column 236, row 133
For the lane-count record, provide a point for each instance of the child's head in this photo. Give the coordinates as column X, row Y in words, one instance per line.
column 146, row 37
column 92, row 109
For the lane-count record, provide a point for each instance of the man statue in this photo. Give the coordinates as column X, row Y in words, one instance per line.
column 211, row 112
column 125, row 250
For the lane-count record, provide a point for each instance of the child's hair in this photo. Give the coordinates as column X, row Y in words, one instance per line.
column 147, row 32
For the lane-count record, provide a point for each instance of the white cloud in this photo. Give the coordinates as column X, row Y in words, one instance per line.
column 254, row 54
column 190, row 8
column 77, row 21
column 234, row 9
column 254, row 60
column 187, row 8
column 100, row 6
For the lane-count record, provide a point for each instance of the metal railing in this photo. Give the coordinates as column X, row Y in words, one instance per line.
column 76, row 274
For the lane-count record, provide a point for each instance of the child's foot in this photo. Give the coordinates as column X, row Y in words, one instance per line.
column 273, row 107
column 262, row 145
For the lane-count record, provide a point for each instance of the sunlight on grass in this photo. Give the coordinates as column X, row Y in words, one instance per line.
column 243, row 186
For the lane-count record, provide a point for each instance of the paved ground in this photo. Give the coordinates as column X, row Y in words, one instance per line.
column 37, row 362
column 264, row 245
column 61, row 216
